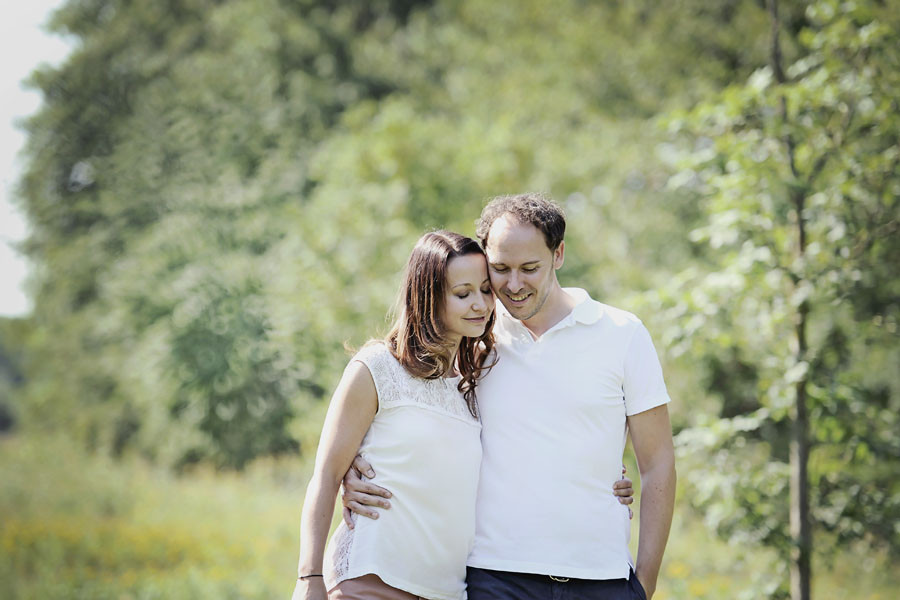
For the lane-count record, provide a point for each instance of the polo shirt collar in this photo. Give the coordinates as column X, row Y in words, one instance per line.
column 587, row 310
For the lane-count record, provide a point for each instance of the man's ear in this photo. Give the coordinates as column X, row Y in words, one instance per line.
column 559, row 256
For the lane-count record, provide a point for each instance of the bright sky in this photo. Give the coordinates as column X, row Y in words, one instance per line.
column 23, row 46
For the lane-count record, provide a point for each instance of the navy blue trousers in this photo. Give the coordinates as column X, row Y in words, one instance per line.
column 484, row 584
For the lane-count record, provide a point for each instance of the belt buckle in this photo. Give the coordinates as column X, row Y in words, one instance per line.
column 559, row 579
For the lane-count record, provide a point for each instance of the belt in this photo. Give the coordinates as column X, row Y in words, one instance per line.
column 559, row 579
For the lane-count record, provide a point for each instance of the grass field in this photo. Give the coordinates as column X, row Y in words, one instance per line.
column 75, row 526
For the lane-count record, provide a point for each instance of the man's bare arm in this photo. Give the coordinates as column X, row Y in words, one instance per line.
column 651, row 436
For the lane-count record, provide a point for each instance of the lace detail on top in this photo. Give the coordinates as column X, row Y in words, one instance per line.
column 337, row 559
column 397, row 387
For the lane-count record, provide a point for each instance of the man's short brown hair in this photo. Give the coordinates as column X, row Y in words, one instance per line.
column 534, row 208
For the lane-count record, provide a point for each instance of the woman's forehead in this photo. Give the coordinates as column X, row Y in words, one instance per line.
column 469, row 268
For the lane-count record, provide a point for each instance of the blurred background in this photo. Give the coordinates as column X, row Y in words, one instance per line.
column 219, row 195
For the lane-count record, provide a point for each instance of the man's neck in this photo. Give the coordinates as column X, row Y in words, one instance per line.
column 555, row 309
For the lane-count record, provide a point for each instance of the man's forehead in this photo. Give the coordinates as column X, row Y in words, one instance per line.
column 510, row 238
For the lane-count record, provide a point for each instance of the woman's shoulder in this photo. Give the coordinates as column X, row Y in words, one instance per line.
column 376, row 355
column 372, row 349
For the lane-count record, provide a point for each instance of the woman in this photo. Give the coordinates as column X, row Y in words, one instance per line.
column 408, row 406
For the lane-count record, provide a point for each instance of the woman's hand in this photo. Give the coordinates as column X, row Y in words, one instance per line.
column 311, row 588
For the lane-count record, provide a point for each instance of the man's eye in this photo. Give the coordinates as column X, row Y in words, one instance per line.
column 530, row 269
column 500, row 269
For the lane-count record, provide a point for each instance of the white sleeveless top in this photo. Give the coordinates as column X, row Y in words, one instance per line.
column 425, row 447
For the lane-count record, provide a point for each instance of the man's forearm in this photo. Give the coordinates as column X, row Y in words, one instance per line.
column 657, row 504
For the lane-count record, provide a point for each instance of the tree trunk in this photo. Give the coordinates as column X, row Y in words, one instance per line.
column 801, row 531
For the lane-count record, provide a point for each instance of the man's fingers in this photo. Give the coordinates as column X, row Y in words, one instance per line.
column 362, row 510
column 363, row 467
column 623, row 489
column 625, row 496
column 364, row 499
column 623, row 483
column 352, row 478
column 366, row 488
column 630, row 513
column 346, row 514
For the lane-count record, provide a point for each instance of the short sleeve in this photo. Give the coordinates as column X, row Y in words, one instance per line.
column 643, row 382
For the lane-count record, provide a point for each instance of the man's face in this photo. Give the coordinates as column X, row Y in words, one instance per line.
column 521, row 266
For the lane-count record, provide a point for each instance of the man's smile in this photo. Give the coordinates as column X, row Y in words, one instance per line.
column 518, row 298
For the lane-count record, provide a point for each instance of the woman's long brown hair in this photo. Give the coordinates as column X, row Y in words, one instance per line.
column 418, row 337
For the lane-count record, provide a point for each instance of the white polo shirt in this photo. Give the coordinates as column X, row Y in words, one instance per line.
column 553, row 434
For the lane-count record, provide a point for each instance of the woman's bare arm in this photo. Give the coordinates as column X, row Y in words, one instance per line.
column 349, row 416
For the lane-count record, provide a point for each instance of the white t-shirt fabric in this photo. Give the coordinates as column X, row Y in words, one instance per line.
column 424, row 446
column 553, row 433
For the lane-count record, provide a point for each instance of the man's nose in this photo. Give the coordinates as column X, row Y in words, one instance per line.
column 514, row 284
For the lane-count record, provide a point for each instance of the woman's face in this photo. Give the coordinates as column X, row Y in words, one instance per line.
column 469, row 301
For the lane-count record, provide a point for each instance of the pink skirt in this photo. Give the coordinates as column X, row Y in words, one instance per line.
column 367, row 587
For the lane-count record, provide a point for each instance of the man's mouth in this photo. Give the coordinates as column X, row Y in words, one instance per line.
column 518, row 298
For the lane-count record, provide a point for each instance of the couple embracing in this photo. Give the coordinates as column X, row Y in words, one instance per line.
column 490, row 435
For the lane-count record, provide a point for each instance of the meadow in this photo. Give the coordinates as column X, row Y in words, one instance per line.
column 77, row 525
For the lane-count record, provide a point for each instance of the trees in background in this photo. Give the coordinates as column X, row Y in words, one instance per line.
column 797, row 169
column 223, row 193
column 169, row 162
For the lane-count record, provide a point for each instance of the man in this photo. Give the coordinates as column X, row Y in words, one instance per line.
column 574, row 376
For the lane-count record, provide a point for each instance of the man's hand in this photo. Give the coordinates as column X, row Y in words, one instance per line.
column 358, row 495
column 625, row 492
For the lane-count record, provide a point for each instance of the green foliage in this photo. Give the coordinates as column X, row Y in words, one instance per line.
column 223, row 193
column 186, row 129
column 817, row 148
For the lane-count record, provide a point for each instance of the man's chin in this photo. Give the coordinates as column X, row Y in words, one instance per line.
column 521, row 313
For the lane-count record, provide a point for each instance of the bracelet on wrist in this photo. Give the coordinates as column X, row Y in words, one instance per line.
column 310, row 575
